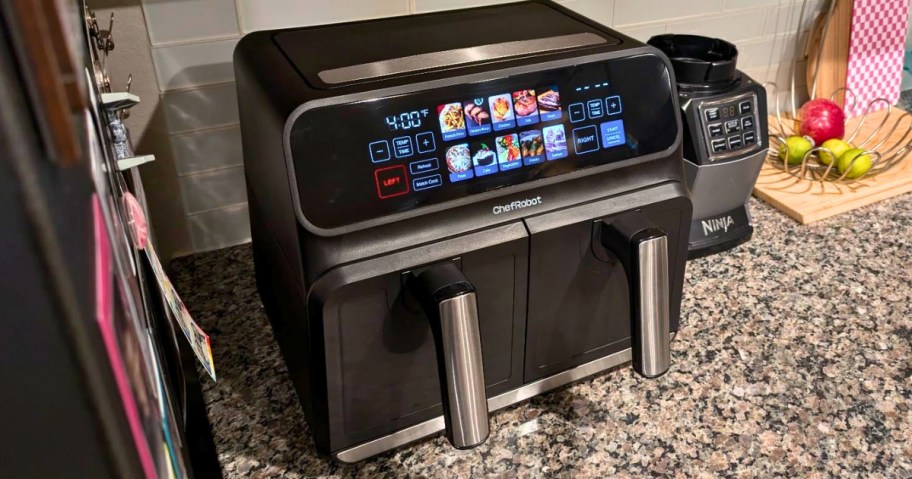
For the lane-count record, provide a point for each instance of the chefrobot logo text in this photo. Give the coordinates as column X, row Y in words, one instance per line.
column 517, row 205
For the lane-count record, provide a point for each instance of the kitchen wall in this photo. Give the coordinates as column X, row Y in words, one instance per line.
column 192, row 43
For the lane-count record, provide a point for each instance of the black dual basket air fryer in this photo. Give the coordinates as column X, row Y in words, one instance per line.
column 410, row 296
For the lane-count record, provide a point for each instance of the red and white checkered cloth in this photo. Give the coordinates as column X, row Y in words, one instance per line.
column 876, row 53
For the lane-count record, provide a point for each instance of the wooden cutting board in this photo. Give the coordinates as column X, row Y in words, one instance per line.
column 808, row 200
column 828, row 50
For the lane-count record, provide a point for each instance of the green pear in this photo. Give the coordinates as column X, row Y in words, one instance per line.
column 836, row 146
column 794, row 149
column 854, row 162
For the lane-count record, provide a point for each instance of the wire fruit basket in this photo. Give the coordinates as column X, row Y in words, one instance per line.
column 877, row 146
column 880, row 145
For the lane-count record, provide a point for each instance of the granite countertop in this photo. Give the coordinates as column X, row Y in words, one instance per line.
column 794, row 359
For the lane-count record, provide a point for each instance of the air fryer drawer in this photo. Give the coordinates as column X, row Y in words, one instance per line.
column 579, row 300
column 379, row 348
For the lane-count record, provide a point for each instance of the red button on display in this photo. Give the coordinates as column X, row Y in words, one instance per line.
column 391, row 181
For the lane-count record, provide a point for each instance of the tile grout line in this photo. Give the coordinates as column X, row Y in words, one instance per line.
column 213, row 210
column 237, row 16
column 203, row 86
column 206, row 129
column 210, row 170
column 196, row 41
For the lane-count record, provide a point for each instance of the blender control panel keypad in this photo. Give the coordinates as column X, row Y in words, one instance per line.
column 729, row 126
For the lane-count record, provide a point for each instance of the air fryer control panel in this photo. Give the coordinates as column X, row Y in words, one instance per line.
column 729, row 126
column 364, row 160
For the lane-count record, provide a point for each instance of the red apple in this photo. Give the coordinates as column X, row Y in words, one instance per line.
column 822, row 120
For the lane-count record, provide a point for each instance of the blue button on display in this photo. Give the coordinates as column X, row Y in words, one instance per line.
column 612, row 133
column 479, row 130
column 454, row 135
column 595, row 108
column 403, row 146
column 504, row 125
column 423, row 166
column 462, row 175
column 613, row 105
column 426, row 182
column 527, row 120
column 425, row 142
column 379, row 151
column 585, row 140
column 486, row 170
column 577, row 112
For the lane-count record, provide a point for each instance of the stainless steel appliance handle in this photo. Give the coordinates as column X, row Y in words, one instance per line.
column 652, row 323
column 642, row 249
column 449, row 302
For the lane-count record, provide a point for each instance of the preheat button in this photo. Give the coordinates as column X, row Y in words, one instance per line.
column 423, row 166
column 391, row 181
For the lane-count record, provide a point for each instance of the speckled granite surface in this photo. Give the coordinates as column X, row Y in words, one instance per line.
column 794, row 359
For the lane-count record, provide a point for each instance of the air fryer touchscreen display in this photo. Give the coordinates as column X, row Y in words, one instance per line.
column 365, row 160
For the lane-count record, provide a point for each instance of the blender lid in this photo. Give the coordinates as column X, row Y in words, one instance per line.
column 699, row 60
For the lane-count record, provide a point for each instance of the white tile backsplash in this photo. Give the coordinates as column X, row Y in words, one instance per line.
column 268, row 14
column 629, row 12
column 193, row 42
column 768, row 51
column 424, row 6
column 219, row 228
column 785, row 19
column 213, row 190
column 601, row 11
column 201, row 108
column 180, row 21
column 741, row 4
column 194, row 64
column 780, row 74
column 207, row 150
column 645, row 32
column 733, row 27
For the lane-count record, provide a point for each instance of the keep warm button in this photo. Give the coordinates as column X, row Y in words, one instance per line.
column 585, row 140
column 391, row 181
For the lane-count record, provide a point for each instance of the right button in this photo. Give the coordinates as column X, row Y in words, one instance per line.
column 585, row 140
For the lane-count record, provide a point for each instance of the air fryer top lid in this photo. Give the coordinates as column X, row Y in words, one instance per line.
column 697, row 60
column 326, row 55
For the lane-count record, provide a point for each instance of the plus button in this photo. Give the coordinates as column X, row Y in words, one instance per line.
column 614, row 105
column 425, row 142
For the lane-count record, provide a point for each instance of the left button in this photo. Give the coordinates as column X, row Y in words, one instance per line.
column 380, row 151
column 391, row 181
